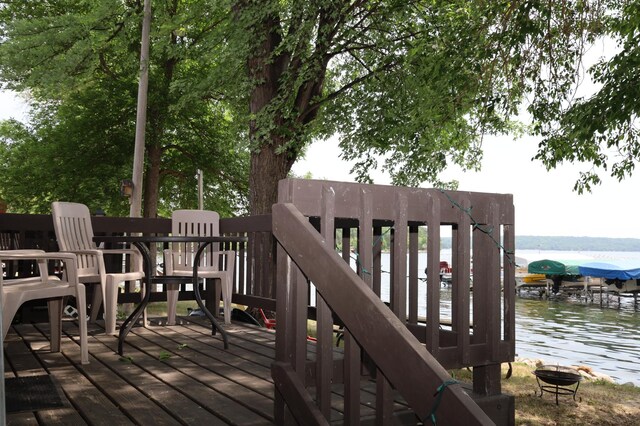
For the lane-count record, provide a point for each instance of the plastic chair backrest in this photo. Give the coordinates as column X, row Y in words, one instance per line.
column 194, row 223
column 74, row 232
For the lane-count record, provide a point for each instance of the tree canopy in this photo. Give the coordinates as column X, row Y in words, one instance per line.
column 418, row 83
column 240, row 88
column 601, row 129
column 79, row 61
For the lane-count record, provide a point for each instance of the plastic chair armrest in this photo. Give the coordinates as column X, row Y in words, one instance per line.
column 42, row 257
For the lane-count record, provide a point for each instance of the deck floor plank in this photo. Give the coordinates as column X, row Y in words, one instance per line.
column 258, row 340
column 250, row 362
column 60, row 416
column 141, row 373
column 254, row 352
column 225, row 363
column 146, row 367
column 19, row 359
column 21, row 362
column 170, row 375
column 205, row 385
column 262, row 341
column 246, row 347
column 21, row 419
column 90, row 405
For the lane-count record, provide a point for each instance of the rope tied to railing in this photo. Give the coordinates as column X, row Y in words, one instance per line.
column 485, row 229
column 438, row 395
column 359, row 265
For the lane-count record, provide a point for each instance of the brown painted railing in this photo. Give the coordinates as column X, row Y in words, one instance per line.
column 481, row 333
column 353, row 219
column 253, row 280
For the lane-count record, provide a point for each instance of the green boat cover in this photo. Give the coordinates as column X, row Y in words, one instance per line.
column 555, row 267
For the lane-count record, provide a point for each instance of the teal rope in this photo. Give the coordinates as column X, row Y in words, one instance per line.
column 486, row 230
column 438, row 396
column 364, row 270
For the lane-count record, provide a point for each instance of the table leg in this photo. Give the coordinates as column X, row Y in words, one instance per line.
column 196, row 288
column 128, row 323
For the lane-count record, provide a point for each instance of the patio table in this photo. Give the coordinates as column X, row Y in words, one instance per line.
column 142, row 242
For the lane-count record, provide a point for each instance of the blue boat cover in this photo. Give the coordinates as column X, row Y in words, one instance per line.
column 612, row 269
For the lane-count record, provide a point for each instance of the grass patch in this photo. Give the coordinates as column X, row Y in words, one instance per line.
column 598, row 402
column 312, row 331
column 159, row 309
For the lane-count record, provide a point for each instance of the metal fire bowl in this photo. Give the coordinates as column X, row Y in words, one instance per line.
column 558, row 375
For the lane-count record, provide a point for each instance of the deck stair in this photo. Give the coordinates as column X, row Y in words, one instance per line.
column 378, row 336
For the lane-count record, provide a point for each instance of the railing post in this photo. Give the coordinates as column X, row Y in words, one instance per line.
column 432, row 328
column 324, row 318
column 461, row 292
column 373, row 326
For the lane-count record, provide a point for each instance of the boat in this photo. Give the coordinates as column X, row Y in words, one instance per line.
column 523, row 278
column 621, row 276
column 534, row 278
column 555, row 267
column 612, row 269
column 554, row 274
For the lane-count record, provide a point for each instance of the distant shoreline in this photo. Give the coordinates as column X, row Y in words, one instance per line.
column 526, row 242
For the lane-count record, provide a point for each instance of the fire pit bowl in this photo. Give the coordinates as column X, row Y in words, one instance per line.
column 559, row 377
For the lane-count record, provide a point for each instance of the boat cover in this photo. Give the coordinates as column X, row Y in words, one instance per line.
column 612, row 269
column 555, row 267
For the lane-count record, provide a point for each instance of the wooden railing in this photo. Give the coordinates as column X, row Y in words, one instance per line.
column 353, row 220
column 380, row 338
column 253, row 284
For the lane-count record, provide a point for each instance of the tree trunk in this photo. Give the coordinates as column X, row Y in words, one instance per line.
column 272, row 156
column 267, row 168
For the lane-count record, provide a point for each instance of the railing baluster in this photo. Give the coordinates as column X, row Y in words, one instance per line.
column 399, row 260
column 509, row 289
column 461, row 293
column 433, row 274
column 351, row 361
column 324, row 350
column 413, row 274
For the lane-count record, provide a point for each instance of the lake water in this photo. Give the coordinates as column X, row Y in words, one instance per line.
column 569, row 330
column 579, row 333
column 572, row 331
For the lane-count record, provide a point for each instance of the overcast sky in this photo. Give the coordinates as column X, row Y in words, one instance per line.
column 12, row 107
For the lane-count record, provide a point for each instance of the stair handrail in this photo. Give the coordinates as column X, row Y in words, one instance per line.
column 427, row 384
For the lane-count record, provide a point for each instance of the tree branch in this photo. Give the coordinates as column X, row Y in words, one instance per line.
column 312, row 109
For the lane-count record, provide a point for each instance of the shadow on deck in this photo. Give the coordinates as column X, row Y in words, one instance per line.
column 169, row 375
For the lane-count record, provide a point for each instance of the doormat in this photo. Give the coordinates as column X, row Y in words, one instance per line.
column 31, row 393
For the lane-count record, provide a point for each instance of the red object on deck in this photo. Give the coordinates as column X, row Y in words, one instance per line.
column 268, row 322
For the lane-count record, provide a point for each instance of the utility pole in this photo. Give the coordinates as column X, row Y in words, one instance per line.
column 200, row 192
column 141, row 115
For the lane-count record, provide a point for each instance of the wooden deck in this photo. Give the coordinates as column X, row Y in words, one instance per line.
column 169, row 375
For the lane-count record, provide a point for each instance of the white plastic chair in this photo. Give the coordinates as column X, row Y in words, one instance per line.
column 72, row 223
column 178, row 260
column 19, row 290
